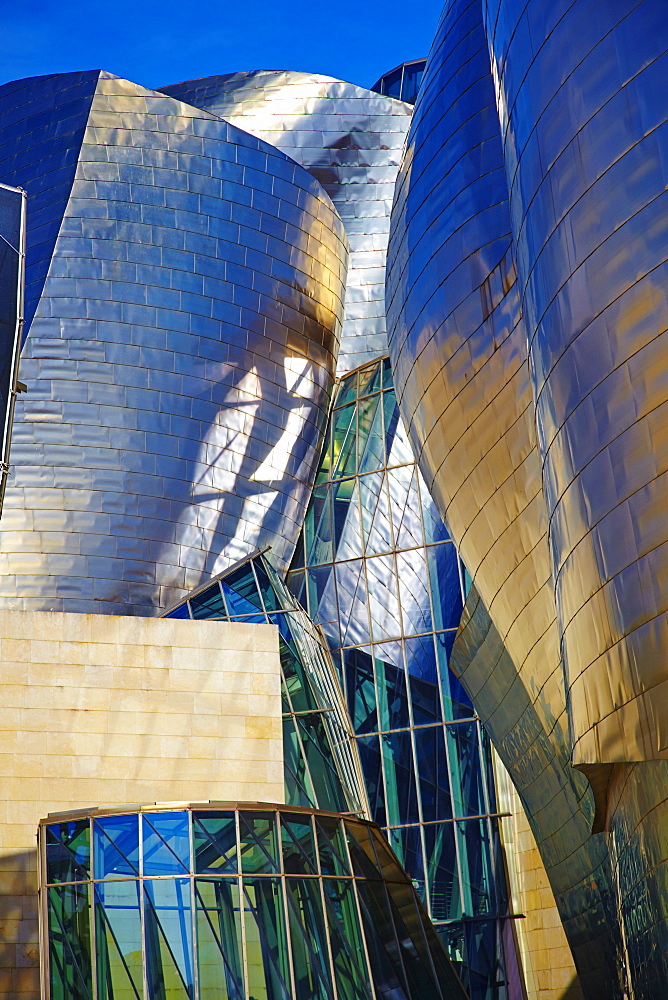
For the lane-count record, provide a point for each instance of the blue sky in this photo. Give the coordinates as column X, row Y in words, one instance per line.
column 156, row 43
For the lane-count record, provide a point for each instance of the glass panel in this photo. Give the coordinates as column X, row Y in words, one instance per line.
column 266, row 943
column 345, row 935
column 445, row 589
column 259, row 850
column 296, row 583
column 399, row 779
column 456, row 702
column 68, row 851
column 343, row 441
column 366, row 418
column 397, row 445
column 241, row 593
column 467, row 776
column 69, row 943
column 370, row 757
column 411, row 933
column 116, row 846
column 118, row 941
column 331, row 847
column 375, row 506
column 347, row 530
column 298, row 844
column 322, row 763
column 383, row 598
column 369, row 379
column 298, row 787
column 361, row 691
column 322, row 603
column 381, row 939
column 319, row 528
column 434, row 528
column 347, row 391
column 362, row 853
column 414, row 592
column 166, row 843
column 442, row 871
column 433, row 771
column 169, row 945
column 271, row 602
column 407, row 845
column 215, row 843
column 391, row 686
column 219, row 947
column 209, row 604
column 423, row 679
column 372, row 455
column 352, row 594
column 309, row 943
column 180, row 612
column 476, row 868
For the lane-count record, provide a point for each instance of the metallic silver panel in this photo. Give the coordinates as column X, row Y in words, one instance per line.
column 460, row 355
column 585, row 128
column 351, row 139
column 181, row 357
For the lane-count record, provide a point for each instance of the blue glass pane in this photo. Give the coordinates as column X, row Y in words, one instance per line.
column 345, row 507
column 215, row 842
column 370, row 757
column 473, row 838
column 371, row 450
column 180, row 612
column 296, row 583
column 319, row 528
column 269, row 596
column 445, row 589
column 116, row 846
column 467, row 775
column 241, row 593
column 433, row 773
column 456, row 702
column 362, row 705
column 423, row 679
column 407, row 845
column 400, row 787
column 442, row 871
column 168, row 939
column 370, row 379
column 347, row 390
column 68, row 851
column 391, row 686
column 208, row 604
column 166, row 843
column 383, row 598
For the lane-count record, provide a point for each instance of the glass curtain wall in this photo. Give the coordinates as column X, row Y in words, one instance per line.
column 378, row 572
column 223, row 903
column 321, row 761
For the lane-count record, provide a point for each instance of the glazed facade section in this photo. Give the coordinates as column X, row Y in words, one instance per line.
column 586, row 172
column 322, row 766
column 12, row 291
column 378, row 572
column 181, row 355
column 220, row 902
column 460, row 356
column 351, row 140
column 524, row 293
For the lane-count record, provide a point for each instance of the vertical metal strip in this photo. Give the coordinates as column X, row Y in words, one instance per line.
column 16, row 352
column 284, row 896
column 242, row 907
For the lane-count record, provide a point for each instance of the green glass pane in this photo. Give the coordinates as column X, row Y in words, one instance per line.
column 319, row 528
column 258, row 842
column 215, row 843
column 208, row 604
column 371, row 449
column 298, row 844
column 118, row 941
column 296, row 683
column 320, row 755
column 267, row 961
column 331, row 846
column 345, row 507
column 400, row 784
column 168, row 939
column 219, row 944
column 69, row 943
column 347, row 390
column 325, row 469
column 369, row 379
column 345, row 935
column 68, row 851
column 442, row 871
column 309, row 942
column 344, row 437
column 296, row 582
column 474, row 849
column 388, row 382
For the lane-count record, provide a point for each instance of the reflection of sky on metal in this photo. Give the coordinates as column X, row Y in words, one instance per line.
column 351, row 140
column 181, row 356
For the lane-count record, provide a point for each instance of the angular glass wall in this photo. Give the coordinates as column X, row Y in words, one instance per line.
column 377, row 570
column 221, row 903
column 322, row 766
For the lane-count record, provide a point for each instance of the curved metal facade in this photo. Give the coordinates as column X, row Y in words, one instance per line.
column 459, row 349
column 351, row 140
column 180, row 360
column 586, row 152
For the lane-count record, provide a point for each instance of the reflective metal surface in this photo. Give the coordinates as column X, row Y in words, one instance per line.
column 377, row 569
column 187, row 285
column 583, row 121
column 223, row 901
column 459, row 348
column 351, row 140
column 12, row 290
column 322, row 766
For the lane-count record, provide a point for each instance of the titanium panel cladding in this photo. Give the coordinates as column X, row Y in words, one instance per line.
column 351, row 140
column 584, row 120
column 189, row 292
column 460, row 358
